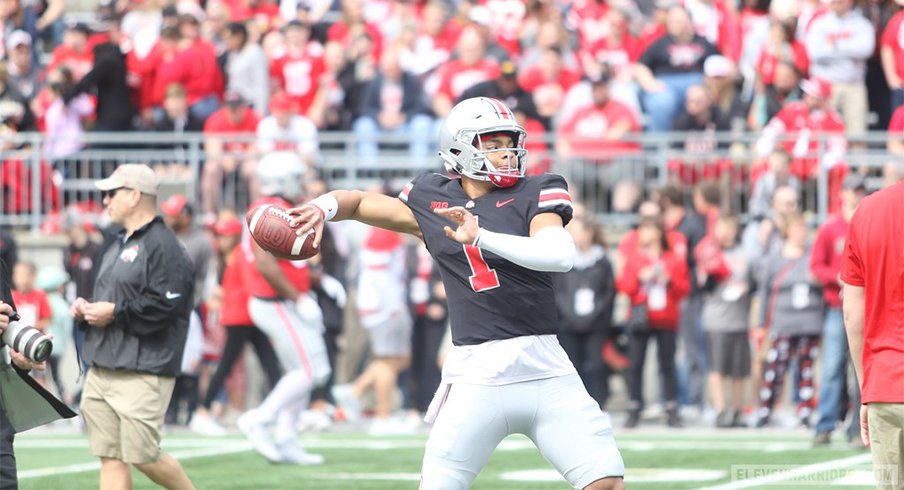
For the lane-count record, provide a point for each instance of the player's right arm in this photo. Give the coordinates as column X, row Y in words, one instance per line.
column 370, row 208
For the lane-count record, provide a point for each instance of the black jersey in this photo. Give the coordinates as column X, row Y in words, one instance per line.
column 489, row 297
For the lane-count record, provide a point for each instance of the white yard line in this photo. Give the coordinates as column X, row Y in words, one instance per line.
column 95, row 465
column 801, row 471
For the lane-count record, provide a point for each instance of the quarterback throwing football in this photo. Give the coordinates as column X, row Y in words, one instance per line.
column 506, row 372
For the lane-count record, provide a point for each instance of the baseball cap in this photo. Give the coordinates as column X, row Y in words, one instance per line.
column 79, row 27
column 282, row 103
column 175, row 205
column 508, row 68
column 132, row 175
column 854, row 182
column 599, row 79
column 479, row 14
column 718, row 66
column 18, row 38
column 233, row 98
column 817, row 87
column 230, row 226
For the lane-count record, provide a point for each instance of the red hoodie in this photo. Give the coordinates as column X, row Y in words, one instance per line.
column 677, row 288
column 825, row 258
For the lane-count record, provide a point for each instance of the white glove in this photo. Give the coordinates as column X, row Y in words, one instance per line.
column 309, row 310
column 333, row 288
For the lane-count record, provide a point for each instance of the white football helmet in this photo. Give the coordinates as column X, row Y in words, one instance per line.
column 461, row 149
column 281, row 174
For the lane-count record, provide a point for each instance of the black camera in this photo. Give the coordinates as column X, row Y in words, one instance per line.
column 27, row 340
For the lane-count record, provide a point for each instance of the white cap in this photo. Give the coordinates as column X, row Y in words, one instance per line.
column 17, row 38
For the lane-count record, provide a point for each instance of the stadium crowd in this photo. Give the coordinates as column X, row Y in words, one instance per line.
column 738, row 303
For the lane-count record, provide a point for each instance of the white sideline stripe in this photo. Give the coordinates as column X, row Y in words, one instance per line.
column 95, row 465
column 795, row 473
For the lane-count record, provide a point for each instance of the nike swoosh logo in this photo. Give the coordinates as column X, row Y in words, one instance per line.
column 499, row 204
column 170, row 295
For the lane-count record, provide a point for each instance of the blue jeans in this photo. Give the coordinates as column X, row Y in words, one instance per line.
column 897, row 98
column 662, row 107
column 203, row 108
column 834, row 362
column 418, row 130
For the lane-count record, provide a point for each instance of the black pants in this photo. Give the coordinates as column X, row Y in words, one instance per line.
column 184, row 400
column 331, row 339
column 665, row 348
column 424, row 373
column 8, row 478
column 585, row 349
column 236, row 338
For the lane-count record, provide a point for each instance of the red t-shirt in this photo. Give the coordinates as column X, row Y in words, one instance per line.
column 893, row 37
column 32, row 307
column 874, row 260
column 825, row 258
column 769, row 60
column 666, row 317
column 234, row 311
column 896, row 126
column 299, row 75
column 677, row 243
column 296, row 271
column 219, row 122
column 79, row 63
column 588, row 125
column 167, row 67
column 205, row 78
column 456, row 77
column 533, row 77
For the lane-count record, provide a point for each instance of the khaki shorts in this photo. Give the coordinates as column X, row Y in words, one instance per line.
column 124, row 412
column 886, row 436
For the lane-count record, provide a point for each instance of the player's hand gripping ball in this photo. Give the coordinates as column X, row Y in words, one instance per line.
column 270, row 228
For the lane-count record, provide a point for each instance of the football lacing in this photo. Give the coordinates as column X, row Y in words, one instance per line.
column 279, row 214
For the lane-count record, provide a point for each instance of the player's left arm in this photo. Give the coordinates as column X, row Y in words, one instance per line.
column 549, row 248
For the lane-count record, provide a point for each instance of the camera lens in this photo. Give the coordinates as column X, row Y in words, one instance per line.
column 42, row 350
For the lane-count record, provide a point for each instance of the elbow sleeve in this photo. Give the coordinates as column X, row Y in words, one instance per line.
column 550, row 250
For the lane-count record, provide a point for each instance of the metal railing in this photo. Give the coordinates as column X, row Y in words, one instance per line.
column 35, row 188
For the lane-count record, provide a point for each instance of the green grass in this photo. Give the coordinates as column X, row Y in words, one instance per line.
column 355, row 461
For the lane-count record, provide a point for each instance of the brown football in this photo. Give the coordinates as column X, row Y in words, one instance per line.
column 270, row 228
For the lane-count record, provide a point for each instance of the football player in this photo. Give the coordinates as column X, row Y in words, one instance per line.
column 282, row 307
column 496, row 236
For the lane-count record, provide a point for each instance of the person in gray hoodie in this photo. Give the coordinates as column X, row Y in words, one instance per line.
column 791, row 311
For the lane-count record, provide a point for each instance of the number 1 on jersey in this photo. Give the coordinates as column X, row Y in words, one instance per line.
column 482, row 278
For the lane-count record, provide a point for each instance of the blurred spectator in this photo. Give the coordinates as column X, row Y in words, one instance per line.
column 178, row 214
column 781, row 46
column 825, row 266
column 392, row 105
column 62, row 121
column 702, row 119
column 298, row 71
column 597, row 131
column 651, row 211
column 506, row 88
column 723, row 271
column 14, row 110
column 176, row 120
column 895, row 144
column 142, row 25
column 433, row 41
column 839, row 43
column 548, row 81
column 78, row 260
column 31, row 303
column 108, row 79
column 352, row 24
column 506, row 23
column 205, row 81
column 245, row 67
column 585, row 297
column 791, row 308
column 550, row 35
column 74, row 53
column 891, row 50
column 762, row 237
column 500, row 42
column 229, row 147
column 285, row 130
column 810, row 130
column 806, row 12
column 721, row 79
column 654, row 28
column 777, row 174
column 784, row 90
column 656, row 280
column 470, row 68
column 24, row 73
column 167, row 64
column 717, row 22
column 337, row 115
column 669, row 66
column 879, row 14
column 427, row 296
column 52, row 281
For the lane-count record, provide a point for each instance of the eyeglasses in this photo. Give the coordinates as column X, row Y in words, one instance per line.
column 111, row 193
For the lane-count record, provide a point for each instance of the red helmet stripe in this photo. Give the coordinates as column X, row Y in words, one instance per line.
column 501, row 110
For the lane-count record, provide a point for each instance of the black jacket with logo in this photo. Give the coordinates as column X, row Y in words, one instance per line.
column 150, row 279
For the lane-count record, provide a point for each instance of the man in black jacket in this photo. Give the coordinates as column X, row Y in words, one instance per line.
column 136, row 325
column 107, row 79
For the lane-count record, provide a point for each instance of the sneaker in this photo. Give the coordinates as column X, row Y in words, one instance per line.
column 345, row 398
column 259, row 436
column 672, row 418
column 292, row 453
column 723, row 420
column 633, row 419
column 823, row 438
column 206, row 426
column 737, row 420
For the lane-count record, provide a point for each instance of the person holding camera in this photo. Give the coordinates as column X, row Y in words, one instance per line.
column 136, row 327
column 20, row 395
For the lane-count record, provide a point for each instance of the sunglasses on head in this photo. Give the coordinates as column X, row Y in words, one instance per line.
column 112, row 192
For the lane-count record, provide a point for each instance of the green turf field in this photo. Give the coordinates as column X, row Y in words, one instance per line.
column 655, row 459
